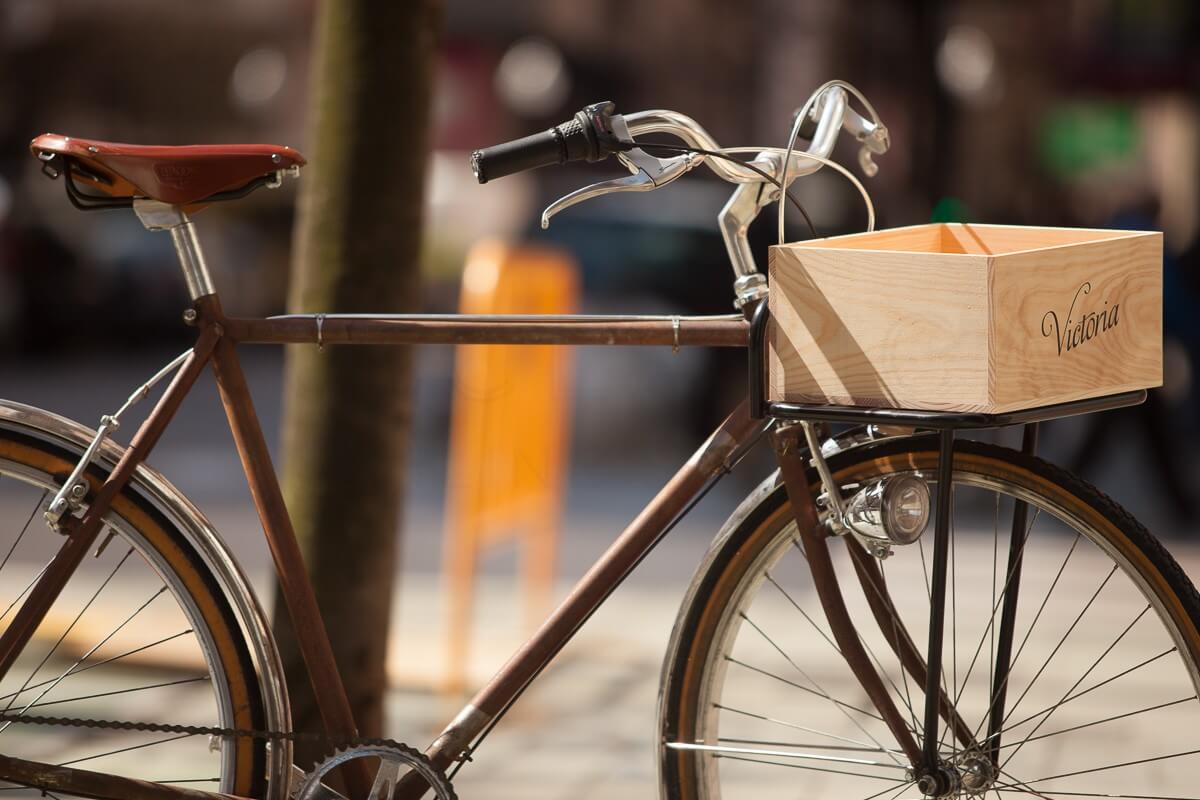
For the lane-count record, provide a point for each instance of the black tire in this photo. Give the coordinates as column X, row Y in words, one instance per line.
column 733, row 571
column 152, row 547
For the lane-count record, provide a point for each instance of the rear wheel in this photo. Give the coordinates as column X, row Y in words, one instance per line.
column 1102, row 693
column 142, row 632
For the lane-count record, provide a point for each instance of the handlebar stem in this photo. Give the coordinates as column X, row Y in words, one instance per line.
column 749, row 199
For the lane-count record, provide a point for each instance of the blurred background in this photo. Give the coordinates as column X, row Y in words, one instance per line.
column 1073, row 113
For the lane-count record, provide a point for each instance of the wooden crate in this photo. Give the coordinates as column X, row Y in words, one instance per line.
column 964, row 317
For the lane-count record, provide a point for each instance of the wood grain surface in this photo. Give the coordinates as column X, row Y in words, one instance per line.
column 1077, row 321
column 963, row 317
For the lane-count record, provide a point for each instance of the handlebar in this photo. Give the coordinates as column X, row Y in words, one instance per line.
column 592, row 135
column 588, row 136
column 597, row 132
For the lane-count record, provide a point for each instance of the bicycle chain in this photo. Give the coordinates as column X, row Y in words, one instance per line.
column 198, row 730
column 333, row 745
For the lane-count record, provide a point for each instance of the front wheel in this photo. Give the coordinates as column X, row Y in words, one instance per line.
column 756, row 700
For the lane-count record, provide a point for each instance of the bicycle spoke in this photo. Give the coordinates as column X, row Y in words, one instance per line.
column 794, row 726
column 1029, row 632
column 903, row 789
column 821, row 691
column 1053, row 793
column 125, row 749
column 109, row 660
column 1096, row 722
column 833, row 644
column 929, row 593
column 896, row 637
column 895, row 644
column 750, row 751
column 1061, row 641
column 803, row 613
column 69, row 628
column 24, row 591
column 37, row 507
column 771, row 743
column 925, row 569
column 996, row 603
column 1083, row 677
column 1018, row 786
column 1122, row 674
column 990, row 630
column 114, row 614
column 813, row 768
column 1122, row 765
column 803, row 688
column 56, row 681
column 121, row 691
column 953, row 619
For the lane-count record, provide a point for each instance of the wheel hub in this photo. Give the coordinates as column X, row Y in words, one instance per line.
column 976, row 772
column 942, row 782
column 970, row 774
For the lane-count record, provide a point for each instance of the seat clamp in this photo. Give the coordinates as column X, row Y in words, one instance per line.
column 159, row 216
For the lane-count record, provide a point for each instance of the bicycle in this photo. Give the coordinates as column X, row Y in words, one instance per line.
column 748, row 698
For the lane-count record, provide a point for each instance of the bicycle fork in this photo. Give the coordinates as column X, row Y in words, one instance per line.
column 932, row 777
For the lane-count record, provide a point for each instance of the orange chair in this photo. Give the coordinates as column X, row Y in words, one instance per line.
column 509, row 431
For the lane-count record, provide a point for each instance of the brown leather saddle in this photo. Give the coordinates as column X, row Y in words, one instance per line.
column 191, row 175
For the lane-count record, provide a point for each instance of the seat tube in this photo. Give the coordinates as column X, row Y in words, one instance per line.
column 159, row 216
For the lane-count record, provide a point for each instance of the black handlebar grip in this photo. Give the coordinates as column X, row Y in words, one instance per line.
column 539, row 150
column 586, row 137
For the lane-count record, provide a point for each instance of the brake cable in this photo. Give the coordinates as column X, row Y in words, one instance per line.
column 725, row 156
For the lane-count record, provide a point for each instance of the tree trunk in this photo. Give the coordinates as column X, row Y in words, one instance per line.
column 347, row 409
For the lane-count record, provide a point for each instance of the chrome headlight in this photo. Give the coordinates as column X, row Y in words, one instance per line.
column 894, row 509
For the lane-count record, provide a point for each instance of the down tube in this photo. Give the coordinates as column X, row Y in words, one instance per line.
column 710, row 461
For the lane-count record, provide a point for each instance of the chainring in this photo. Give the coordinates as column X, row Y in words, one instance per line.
column 393, row 758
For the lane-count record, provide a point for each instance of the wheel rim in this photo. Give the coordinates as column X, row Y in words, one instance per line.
column 741, row 732
column 137, row 631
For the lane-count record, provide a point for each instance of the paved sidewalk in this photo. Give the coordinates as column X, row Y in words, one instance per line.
column 586, row 729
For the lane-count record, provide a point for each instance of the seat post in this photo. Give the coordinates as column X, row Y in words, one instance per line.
column 159, row 216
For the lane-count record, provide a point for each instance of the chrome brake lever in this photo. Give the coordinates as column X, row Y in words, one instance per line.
column 873, row 136
column 874, row 143
column 647, row 173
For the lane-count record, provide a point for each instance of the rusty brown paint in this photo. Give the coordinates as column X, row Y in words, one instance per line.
column 789, row 453
column 82, row 534
column 98, row 785
column 639, row 538
column 428, row 329
column 311, row 635
column 894, row 631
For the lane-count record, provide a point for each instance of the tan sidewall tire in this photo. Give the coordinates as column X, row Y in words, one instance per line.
column 235, row 661
column 720, row 575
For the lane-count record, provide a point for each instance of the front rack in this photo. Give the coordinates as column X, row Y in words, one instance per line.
column 761, row 408
column 946, row 423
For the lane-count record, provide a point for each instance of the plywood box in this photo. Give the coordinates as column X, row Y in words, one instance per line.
column 963, row 317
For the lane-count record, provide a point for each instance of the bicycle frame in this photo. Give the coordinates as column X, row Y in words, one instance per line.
column 711, row 460
column 217, row 342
